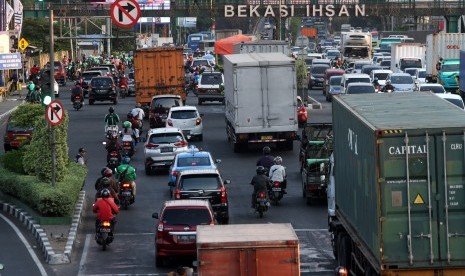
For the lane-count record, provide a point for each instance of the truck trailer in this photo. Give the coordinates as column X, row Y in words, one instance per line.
column 248, row 249
column 260, row 99
column 396, row 199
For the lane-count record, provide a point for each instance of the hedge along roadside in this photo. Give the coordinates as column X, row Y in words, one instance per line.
column 48, row 200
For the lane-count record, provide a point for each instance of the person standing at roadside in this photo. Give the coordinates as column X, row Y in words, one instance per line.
column 80, row 158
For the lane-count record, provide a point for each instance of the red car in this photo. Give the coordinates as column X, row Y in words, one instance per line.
column 15, row 136
column 302, row 115
column 177, row 224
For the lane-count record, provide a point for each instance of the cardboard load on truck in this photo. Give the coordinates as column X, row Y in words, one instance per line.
column 248, row 249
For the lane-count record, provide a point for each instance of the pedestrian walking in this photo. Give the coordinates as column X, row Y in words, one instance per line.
column 80, row 157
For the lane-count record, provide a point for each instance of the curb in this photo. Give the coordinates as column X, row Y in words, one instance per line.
column 49, row 254
column 9, row 112
column 314, row 103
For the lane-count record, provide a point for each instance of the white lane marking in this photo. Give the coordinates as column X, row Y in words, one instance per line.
column 84, row 254
column 26, row 244
column 134, row 234
column 152, row 274
column 310, row 230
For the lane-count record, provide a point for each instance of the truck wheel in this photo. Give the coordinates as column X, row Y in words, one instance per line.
column 344, row 251
column 288, row 145
column 158, row 261
column 237, row 147
column 304, row 194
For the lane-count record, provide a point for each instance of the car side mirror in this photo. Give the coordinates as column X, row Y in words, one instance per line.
column 155, row 215
column 202, row 115
column 218, row 161
column 171, row 184
column 226, row 182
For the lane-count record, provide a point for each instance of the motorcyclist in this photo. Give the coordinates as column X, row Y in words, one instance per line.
column 127, row 173
column 375, row 82
column 128, row 131
column 106, row 209
column 135, row 125
column 260, row 183
column 113, row 145
column 109, row 183
column 138, row 112
column 30, row 90
column 111, row 119
column 123, row 82
column 278, row 173
column 77, row 91
column 266, row 160
column 388, row 87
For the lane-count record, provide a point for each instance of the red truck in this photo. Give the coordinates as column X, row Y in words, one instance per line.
column 309, row 32
column 248, row 249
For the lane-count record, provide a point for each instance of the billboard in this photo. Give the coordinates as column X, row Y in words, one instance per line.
column 186, row 22
column 143, row 4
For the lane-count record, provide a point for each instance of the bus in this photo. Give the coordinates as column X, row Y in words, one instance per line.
column 193, row 41
column 385, row 44
column 207, row 45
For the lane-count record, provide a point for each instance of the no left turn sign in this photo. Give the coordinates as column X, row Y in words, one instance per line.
column 125, row 13
column 54, row 113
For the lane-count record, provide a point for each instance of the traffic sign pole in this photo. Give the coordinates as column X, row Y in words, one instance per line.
column 52, row 95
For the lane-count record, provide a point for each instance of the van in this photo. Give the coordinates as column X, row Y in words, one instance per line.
column 321, row 61
column 358, row 65
column 350, row 78
column 328, row 74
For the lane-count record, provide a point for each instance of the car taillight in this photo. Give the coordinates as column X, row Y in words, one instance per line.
column 106, row 224
column 174, row 173
column 177, row 194
column 180, row 144
column 114, row 154
column 126, row 185
column 212, row 222
column 160, row 231
column 276, row 184
column 126, row 144
column 151, row 146
column 223, row 195
column 261, row 194
column 170, row 123
column 198, row 121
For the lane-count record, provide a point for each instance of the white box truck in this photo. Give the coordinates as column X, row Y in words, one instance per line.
column 262, row 46
column 441, row 45
column 407, row 55
column 260, row 99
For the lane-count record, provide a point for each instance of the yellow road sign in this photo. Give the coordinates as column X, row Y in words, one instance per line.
column 418, row 200
column 23, row 44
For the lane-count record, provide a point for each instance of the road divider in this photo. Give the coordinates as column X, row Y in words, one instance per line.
column 313, row 104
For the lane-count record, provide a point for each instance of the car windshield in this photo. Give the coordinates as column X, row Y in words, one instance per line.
column 433, row 88
column 89, row 76
column 131, row 75
column 411, row 72
column 166, row 102
column 104, row 69
column 102, row 82
column 319, row 69
column 359, row 65
column 385, row 63
column 333, row 54
column 381, row 76
column 189, row 216
column 200, row 62
column 413, row 63
column 183, row 114
column 450, row 68
column 335, row 80
column 165, row 138
column 351, row 80
column 422, row 74
column 200, row 182
column 457, row 102
column 356, row 52
column 401, row 79
column 360, row 90
column 12, row 127
column 211, row 79
column 193, row 161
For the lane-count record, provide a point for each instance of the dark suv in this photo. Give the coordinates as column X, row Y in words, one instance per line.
column 204, row 184
column 159, row 108
column 86, row 77
column 15, row 136
column 317, row 75
column 177, row 225
column 102, row 89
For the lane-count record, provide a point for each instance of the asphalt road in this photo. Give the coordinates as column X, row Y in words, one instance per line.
column 132, row 251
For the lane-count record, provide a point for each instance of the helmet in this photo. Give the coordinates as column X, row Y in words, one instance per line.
column 77, row 83
column 127, row 124
column 111, row 109
column 209, row 52
column 107, row 172
column 278, row 160
column 105, row 193
column 260, row 170
column 138, row 105
column 126, row 160
column 388, row 82
column 102, row 172
column 105, row 182
column 130, row 116
column 376, row 79
column 266, row 150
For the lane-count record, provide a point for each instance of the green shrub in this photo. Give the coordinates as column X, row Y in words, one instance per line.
column 13, row 160
column 47, row 200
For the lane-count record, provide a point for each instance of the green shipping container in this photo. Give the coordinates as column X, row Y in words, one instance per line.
column 399, row 174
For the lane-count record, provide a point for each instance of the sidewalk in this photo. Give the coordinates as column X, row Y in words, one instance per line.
column 8, row 103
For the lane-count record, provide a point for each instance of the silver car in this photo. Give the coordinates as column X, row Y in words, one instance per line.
column 161, row 147
column 402, row 82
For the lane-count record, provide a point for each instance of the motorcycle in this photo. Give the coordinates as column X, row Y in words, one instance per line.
column 77, row 104
column 104, row 235
column 276, row 192
column 126, row 197
column 261, row 204
column 123, row 90
column 114, row 161
column 111, row 131
column 127, row 144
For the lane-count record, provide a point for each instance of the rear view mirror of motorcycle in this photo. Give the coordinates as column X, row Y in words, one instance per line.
column 104, row 143
column 227, row 181
column 171, row 184
column 218, row 161
column 155, row 215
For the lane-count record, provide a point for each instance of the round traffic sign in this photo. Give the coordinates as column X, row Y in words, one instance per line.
column 125, row 13
column 54, row 113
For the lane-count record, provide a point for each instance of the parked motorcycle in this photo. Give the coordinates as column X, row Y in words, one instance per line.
column 262, row 203
column 77, row 104
column 276, row 192
column 126, row 196
column 104, row 235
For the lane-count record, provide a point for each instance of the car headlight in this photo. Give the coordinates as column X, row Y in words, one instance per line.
column 312, row 77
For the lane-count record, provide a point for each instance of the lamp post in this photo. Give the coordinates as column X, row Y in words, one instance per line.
column 280, row 23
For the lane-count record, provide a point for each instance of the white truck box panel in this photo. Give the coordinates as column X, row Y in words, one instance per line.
column 406, row 50
column 260, row 92
column 445, row 45
column 262, row 46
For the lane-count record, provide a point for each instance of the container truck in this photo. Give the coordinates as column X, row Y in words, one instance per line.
column 356, row 46
column 262, row 46
column 310, row 32
column 396, row 198
column 446, row 46
column 248, row 249
column 158, row 71
column 462, row 73
column 260, row 99
column 407, row 55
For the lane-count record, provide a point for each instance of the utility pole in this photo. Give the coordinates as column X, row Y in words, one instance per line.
column 52, row 95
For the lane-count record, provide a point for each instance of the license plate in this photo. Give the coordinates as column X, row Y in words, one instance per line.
column 185, row 238
column 166, row 149
column 186, row 132
column 261, row 200
column 276, row 189
column 21, row 137
column 268, row 137
column 126, row 193
column 105, row 230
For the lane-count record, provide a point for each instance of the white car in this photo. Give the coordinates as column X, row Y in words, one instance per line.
column 420, row 75
column 188, row 119
column 360, row 88
column 452, row 98
column 433, row 87
column 381, row 75
column 55, row 89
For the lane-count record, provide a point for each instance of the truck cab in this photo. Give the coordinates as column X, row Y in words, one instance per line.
column 446, row 75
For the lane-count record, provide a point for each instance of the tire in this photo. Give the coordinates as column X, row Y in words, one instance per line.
column 304, row 194
column 369, row 271
column 327, row 98
column 115, row 101
column 91, row 102
column 148, row 170
column 159, row 262
column 125, row 204
column 237, row 147
column 260, row 212
column 309, row 200
column 344, row 251
column 200, row 137
column 289, row 145
column 104, row 245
